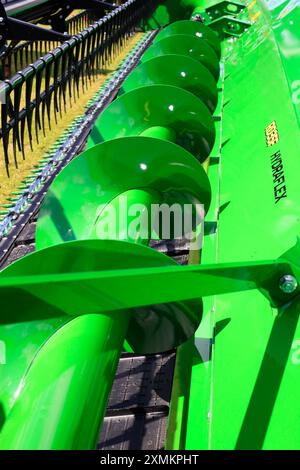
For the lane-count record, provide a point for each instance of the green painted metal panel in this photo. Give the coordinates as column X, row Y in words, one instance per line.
column 252, row 373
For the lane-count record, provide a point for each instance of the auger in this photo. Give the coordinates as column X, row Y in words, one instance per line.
column 148, row 145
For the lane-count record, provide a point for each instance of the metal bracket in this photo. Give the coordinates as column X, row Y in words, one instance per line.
column 224, row 8
column 222, row 18
column 228, row 26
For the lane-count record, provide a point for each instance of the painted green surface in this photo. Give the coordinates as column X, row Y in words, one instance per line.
column 147, row 124
column 194, row 401
column 285, row 27
column 236, row 382
column 81, row 357
column 158, row 105
column 242, row 394
column 177, row 70
column 186, row 45
column 102, row 173
column 164, row 166
column 64, row 285
column 192, row 28
column 49, row 413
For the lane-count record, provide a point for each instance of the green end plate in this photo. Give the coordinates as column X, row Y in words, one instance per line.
column 70, row 209
column 177, row 70
column 184, row 44
column 158, row 105
column 194, row 28
column 151, row 330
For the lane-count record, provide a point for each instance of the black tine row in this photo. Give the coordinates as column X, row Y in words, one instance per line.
column 37, row 95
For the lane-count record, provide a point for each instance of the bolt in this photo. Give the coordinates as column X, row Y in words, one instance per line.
column 288, row 284
column 198, row 18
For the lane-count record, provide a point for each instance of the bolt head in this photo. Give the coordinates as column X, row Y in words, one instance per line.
column 288, row 284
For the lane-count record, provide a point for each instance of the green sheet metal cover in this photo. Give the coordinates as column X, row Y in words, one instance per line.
column 285, row 20
column 250, row 397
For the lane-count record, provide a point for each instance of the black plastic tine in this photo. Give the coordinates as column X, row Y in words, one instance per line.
column 15, row 56
column 88, row 55
column 76, row 63
column 109, row 39
column 84, row 35
column 63, row 86
column 60, row 83
column 48, row 58
column 70, row 71
column 25, row 51
column 10, row 107
column 103, row 44
column 6, row 90
column 17, row 86
column 20, row 58
column 39, row 65
column 99, row 46
column 93, row 52
column 44, row 98
column 23, row 125
column 28, row 76
column 32, row 49
column 71, row 47
column 107, row 33
column 56, row 83
column 7, row 66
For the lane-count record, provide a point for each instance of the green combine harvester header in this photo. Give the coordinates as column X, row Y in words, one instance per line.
column 206, row 124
